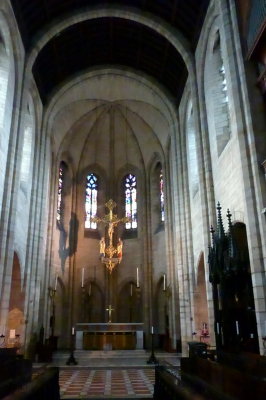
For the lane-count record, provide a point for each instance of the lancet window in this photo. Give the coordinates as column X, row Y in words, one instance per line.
column 162, row 195
column 4, row 72
column 130, row 187
column 219, row 95
column 91, row 201
column 60, row 207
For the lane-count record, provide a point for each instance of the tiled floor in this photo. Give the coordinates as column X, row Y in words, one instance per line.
column 106, row 383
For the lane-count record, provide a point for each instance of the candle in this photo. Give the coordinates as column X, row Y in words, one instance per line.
column 137, row 277
column 12, row 333
column 73, row 330
column 164, row 282
column 55, row 284
column 237, row 328
column 82, row 278
column 152, row 330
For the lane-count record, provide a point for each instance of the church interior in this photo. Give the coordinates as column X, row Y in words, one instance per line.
column 134, row 134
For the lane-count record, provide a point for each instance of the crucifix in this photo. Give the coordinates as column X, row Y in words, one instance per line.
column 110, row 255
column 110, row 309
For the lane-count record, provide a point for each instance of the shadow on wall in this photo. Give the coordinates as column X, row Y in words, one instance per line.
column 63, row 250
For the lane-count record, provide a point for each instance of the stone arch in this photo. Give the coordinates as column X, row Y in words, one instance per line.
column 154, row 172
column 172, row 35
column 161, row 314
column 102, row 182
column 16, row 318
column 129, row 169
column 128, row 303
column 191, row 149
column 61, row 320
column 216, row 93
column 28, row 142
column 93, row 302
column 200, row 299
column 7, row 82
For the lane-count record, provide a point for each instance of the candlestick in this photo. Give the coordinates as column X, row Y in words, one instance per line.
column 82, row 278
column 55, row 284
column 137, row 277
column 237, row 328
column 12, row 334
column 164, row 282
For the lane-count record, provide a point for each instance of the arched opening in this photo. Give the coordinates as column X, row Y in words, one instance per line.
column 129, row 309
column 61, row 319
column 4, row 71
column 200, row 301
column 16, row 319
column 161, row 317
column 92, row 303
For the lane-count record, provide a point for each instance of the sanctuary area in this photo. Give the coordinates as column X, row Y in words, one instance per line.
column 132, row 178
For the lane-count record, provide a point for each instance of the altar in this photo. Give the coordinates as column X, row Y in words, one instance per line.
column 109, row 336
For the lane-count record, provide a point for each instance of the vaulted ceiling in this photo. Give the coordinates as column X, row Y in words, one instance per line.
column 109, row 40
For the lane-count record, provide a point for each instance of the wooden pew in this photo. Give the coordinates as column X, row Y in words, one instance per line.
column 14, row 370
column 241, row 378
column 44, row 386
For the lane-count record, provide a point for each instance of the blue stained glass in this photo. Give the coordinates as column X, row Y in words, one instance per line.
column 91, row 201
column 131, row 200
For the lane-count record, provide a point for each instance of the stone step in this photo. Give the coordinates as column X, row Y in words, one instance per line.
column 114, row 358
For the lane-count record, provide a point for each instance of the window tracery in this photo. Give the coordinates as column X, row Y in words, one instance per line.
column 130, row 187
column 91, row 201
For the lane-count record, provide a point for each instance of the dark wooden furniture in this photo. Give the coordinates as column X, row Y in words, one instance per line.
column 168, row 385
column 42, row 387
column 237, row 377
column 14, row 371
column 115, row 340
column 234, row 310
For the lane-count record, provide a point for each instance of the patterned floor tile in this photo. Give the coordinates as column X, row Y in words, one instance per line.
column 106, row 383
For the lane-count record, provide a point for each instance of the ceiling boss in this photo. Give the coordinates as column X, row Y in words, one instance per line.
column 110, row 255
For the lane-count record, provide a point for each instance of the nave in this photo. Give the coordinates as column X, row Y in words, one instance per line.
column 114, row 374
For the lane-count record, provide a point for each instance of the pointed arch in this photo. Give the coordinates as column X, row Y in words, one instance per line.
column 91, row 200
column 200, row 299
column 215, row 84
column 130, row 198
column 16, row 318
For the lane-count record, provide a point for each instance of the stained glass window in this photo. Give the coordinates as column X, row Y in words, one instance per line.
column 59, row 215
column 131, row 200
column 162, row 195
column 91, row 201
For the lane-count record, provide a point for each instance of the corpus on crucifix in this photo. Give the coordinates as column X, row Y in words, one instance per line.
column 110, row 255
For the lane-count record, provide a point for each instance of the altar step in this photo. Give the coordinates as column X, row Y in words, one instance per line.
column 114, row 358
